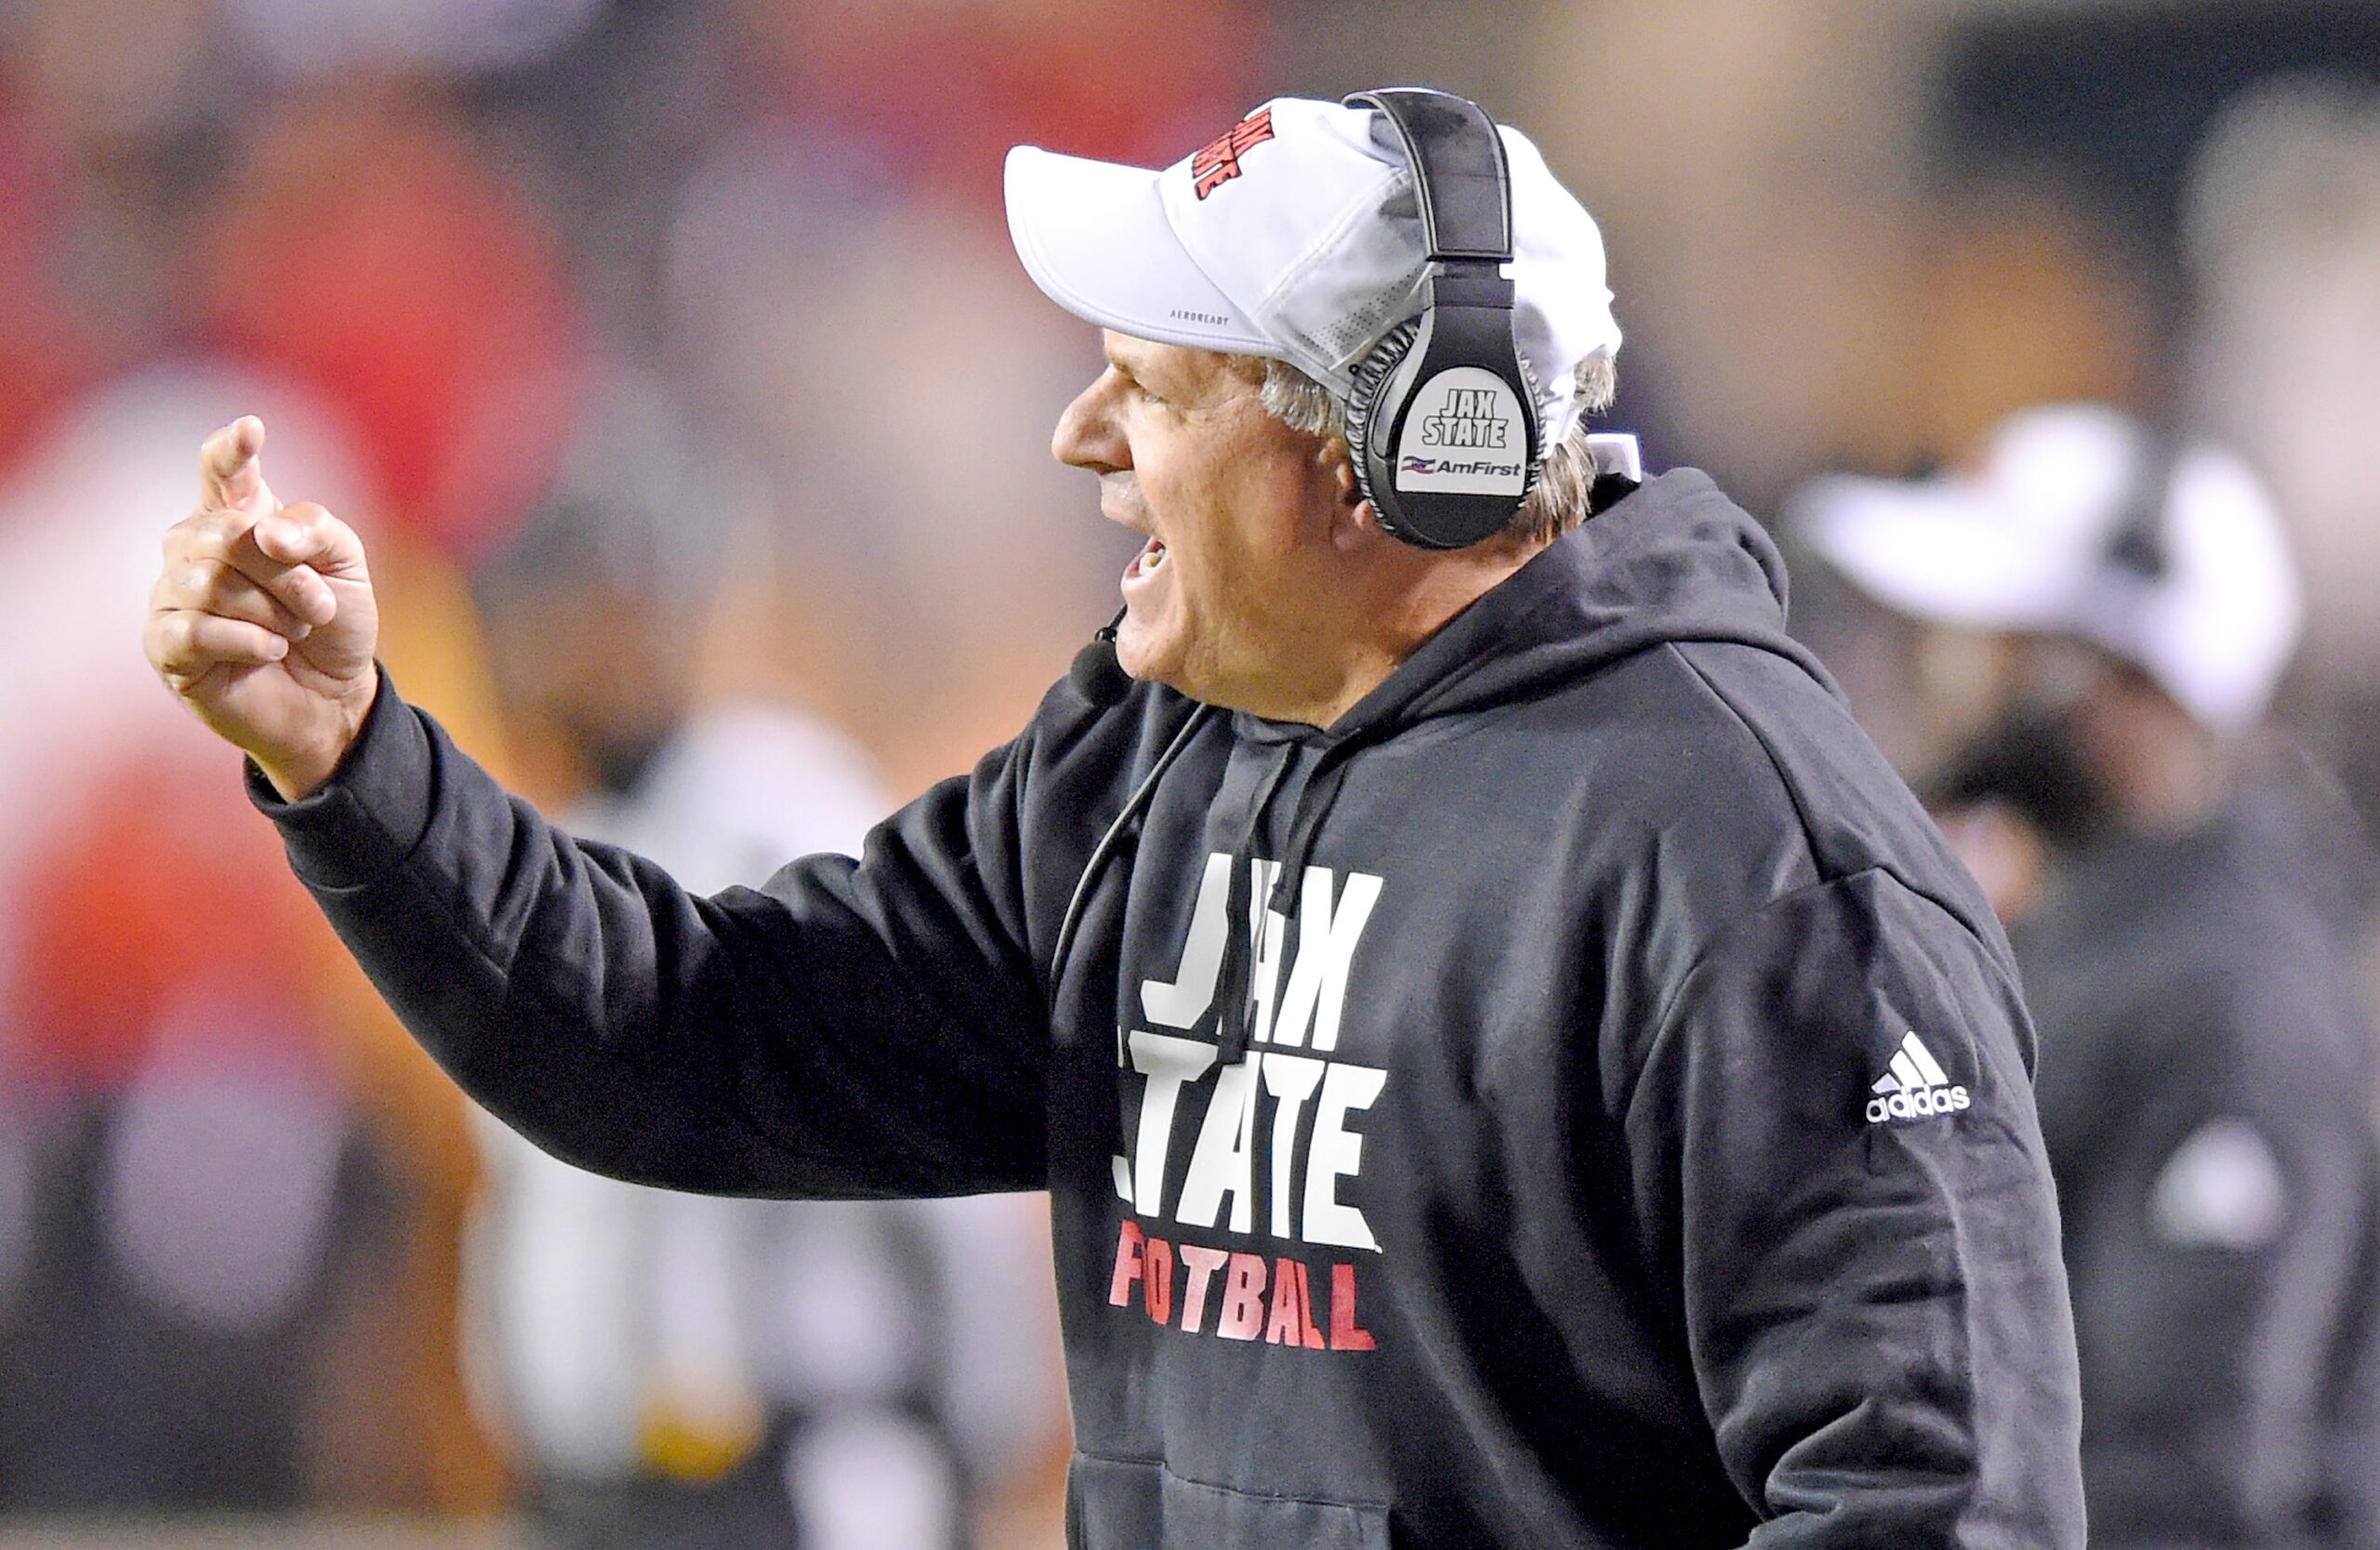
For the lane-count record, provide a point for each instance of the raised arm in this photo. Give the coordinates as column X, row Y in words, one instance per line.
column 857, row 1027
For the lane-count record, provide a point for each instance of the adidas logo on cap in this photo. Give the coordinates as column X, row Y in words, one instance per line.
column 1915, row 1087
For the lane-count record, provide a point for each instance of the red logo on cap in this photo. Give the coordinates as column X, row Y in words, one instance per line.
column 1219, row 163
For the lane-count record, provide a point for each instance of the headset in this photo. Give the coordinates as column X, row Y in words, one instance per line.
column 1442, row 420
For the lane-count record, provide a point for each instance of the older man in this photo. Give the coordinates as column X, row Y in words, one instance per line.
column 1511, row 1064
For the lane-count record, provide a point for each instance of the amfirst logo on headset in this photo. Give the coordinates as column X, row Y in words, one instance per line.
column 1465, row 435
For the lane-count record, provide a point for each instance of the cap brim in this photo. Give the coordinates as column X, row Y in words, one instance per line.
column 1938, row 551
column 1095, row 237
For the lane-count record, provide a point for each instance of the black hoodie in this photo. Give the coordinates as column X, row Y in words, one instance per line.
column 1622, row 1133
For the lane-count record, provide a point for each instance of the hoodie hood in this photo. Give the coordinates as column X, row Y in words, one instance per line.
column 1672, row 561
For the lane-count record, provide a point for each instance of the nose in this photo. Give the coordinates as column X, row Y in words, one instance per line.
column 1089, row 433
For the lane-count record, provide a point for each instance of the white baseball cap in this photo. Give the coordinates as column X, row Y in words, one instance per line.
column 1296, row 235
column 2031, row 543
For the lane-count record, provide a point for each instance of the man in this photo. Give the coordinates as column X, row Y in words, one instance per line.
column 674, row 1370
column 1446, row 996
column 2187, row 919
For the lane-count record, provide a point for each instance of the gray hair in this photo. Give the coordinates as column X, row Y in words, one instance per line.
column 1556, row 503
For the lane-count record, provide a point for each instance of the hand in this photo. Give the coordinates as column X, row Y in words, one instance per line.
column 263, row 620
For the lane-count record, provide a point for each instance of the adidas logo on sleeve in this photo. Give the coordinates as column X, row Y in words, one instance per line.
column 1915, row 1087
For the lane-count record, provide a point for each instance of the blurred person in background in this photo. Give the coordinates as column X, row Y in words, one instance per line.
column 2105, row 611
column 439, row 158
column 205, row 1200
column 1460, row 1234
column 200, row 1199
column 180, row 1105
column 672, row 1369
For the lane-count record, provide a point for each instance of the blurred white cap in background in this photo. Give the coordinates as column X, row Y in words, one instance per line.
column 2047, row 537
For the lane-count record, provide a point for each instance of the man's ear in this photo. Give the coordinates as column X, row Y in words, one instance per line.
column 1353, row 514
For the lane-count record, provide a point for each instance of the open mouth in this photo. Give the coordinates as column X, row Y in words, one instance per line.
column 1150, row 560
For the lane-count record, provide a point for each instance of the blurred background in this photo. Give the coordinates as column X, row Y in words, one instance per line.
column 673, row 360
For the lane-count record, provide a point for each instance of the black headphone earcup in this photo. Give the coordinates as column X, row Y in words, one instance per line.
column 1375, row 401
column 1372, row 375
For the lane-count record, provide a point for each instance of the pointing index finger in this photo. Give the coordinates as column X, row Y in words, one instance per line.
column 229, row 477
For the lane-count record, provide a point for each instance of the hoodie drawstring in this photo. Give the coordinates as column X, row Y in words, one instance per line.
column 1231, row 999
column 1236, row 987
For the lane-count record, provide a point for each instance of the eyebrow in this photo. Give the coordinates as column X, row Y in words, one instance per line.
column 1146, row 375
column 1131, row 356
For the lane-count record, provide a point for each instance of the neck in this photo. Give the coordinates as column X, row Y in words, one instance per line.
column 1414, row 594
column 2176, row 788
column 2168, row 774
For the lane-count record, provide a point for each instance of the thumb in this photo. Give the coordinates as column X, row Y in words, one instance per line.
column 231, row 474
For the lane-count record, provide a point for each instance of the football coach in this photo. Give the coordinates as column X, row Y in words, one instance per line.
column 1511, row 1064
